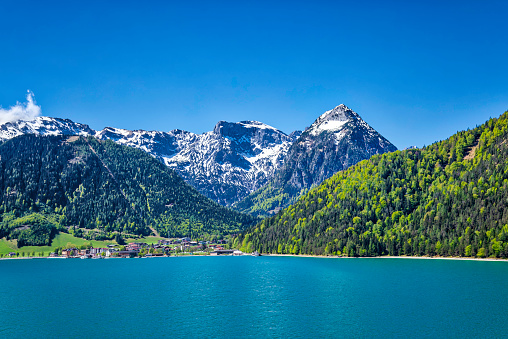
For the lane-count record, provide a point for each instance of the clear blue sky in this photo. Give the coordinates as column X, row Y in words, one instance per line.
column 415, row 71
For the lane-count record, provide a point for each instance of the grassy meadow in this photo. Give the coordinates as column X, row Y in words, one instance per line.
column 61, row 239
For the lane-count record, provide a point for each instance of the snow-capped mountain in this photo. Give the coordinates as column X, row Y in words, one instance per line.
column 236, row 159
column 43, row 126
column 225, row 164
column 233, row 160
column 339, row 138
column 162, row 145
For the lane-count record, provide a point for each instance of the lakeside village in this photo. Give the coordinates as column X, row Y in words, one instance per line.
column 163, row 248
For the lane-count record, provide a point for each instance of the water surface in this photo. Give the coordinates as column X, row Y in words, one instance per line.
column 259, row 297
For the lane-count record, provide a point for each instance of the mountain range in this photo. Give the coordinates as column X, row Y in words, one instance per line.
column 241, row 163
column 225, row 164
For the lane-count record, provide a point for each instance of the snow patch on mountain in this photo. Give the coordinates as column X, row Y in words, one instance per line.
column 329, row 126
column 333, row 120
column 256, row 124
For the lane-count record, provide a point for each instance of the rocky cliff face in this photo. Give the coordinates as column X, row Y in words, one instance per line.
column 233, row 160
column 339, row 138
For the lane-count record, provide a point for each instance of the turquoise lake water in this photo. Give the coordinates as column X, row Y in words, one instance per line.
column 260, row 297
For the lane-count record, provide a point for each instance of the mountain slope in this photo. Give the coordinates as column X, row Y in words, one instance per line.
column 233, row 160
column 100, row 187
column 449, row 199
column 225, row 164
column 338, row 139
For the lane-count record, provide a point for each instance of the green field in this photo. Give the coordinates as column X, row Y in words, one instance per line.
column 61, row 240
column 7, row 246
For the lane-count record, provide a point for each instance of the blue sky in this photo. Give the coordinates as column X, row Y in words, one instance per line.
column 415, row 71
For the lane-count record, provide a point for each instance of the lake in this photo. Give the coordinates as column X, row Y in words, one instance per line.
column 239, row 297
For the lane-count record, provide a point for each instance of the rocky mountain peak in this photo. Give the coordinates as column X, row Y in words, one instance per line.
column 225, row 128
column 333, row 120
column 113, row 133
column 255, row 134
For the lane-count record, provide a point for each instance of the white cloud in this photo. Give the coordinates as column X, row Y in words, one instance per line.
column 21, row 111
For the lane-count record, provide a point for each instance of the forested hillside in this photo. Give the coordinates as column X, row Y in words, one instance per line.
column 96, row 188
column 448, row 199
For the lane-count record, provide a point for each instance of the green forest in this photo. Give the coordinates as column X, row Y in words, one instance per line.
column 96, row 189
column 447, row 199
column 269, row 198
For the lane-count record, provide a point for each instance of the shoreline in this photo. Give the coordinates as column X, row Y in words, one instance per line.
column 384, row 257
column 168, row 256
column 294, row 256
